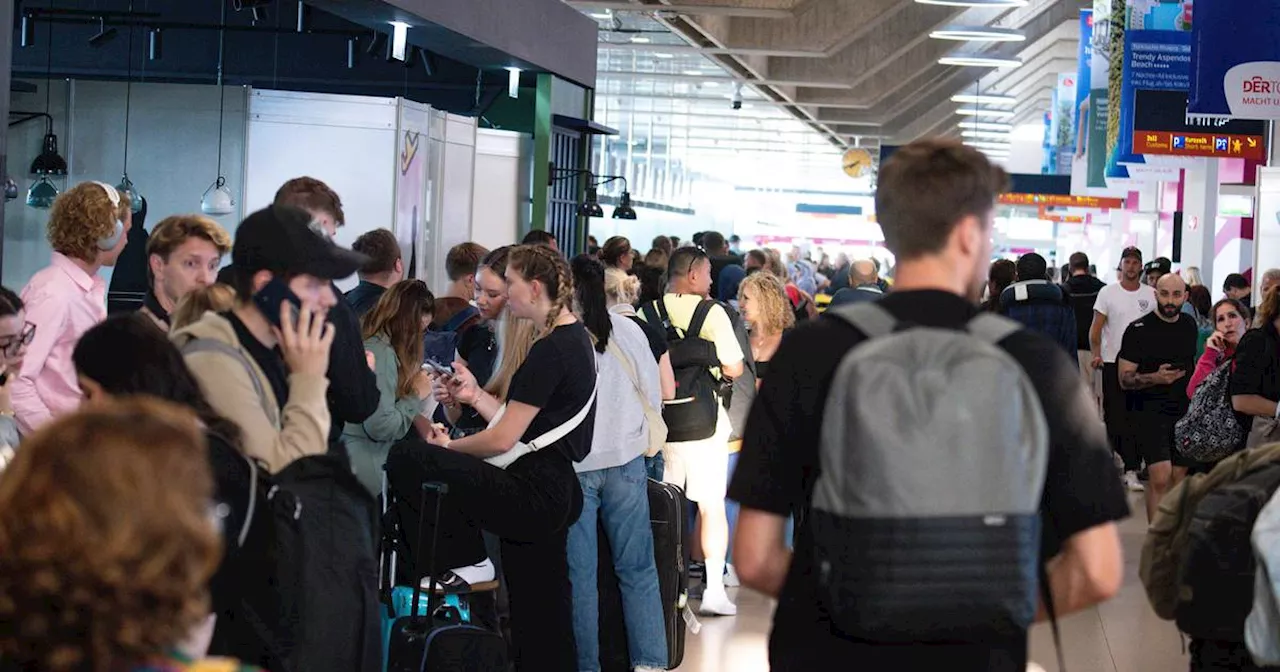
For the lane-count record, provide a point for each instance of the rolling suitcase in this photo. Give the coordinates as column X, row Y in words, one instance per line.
column 668, row 511
column 439, row 638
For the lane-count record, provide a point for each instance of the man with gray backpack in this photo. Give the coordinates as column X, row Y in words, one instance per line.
column 917, row 435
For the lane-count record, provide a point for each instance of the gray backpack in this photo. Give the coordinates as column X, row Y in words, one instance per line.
column 925, row 515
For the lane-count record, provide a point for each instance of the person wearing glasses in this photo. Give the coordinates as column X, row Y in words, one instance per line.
column 15, row 335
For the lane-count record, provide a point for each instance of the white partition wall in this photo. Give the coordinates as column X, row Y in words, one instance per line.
column 502, row 201
column 453, row 141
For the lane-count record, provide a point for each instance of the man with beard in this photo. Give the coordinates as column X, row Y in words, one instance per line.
column 1157, row 354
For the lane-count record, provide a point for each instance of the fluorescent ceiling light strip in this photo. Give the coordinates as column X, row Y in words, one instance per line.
column 971, row 61
column 983, row 99
column 978, row 34
column 974, row 3
column 636, row 39
column 990, row 114
column 984, row 126
column 997, row 146
column 986, row 135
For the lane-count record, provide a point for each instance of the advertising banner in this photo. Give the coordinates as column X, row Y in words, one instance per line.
column 1160, row 126
column 1099, row 62
column 1236, row 59
column 1083, row 56
column 1115, row 75
column 1155, row 61
column 1062, row 125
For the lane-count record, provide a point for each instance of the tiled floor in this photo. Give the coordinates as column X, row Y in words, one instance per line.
column 1122, row 635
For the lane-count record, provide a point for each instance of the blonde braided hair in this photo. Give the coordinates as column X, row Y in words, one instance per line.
column 541, row 263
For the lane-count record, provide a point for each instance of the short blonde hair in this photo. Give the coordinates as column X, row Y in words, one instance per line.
column 217, row 298
column 770, row 295
column 174, row 231
column 620, row 287
column 82, row 216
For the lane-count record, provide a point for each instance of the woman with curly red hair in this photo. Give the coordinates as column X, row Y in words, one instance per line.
column 108, row 537
column 88, row 227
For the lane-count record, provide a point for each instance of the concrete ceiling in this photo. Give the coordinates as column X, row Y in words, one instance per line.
column 864, row 69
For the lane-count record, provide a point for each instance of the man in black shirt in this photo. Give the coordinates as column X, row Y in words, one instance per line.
column 1083, row 288
column 385, row 268
column 718, row 250
column 943, row 246
column 1157, row 355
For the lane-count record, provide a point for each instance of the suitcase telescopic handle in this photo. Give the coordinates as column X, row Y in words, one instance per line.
column 440, row 490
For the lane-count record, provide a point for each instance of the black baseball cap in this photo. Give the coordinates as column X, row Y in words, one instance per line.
column 1131, row 252
column 1159, row 265
column 284, row 240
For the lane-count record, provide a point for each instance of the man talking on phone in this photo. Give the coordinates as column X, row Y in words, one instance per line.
column 262, row 365
column 1156, row 357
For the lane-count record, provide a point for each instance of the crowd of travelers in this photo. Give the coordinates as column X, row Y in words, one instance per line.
column 240, row 469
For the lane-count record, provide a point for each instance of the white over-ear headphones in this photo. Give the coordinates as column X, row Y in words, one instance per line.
column 110, row 242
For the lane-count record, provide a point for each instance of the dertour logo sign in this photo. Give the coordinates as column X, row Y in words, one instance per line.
column 1253, row 90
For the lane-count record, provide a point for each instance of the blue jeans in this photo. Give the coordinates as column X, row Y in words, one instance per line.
column 619, row 495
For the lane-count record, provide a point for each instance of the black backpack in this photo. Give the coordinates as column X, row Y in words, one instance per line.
column 692, row 415
column 1216, row 574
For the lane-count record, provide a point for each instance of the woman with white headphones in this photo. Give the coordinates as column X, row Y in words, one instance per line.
column 87, row 230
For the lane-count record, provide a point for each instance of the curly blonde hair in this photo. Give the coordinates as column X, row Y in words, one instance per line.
column 82, row 216
column 772, row 304
column 106, row 543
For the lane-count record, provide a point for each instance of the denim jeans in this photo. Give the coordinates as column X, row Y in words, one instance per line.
column 619, row 495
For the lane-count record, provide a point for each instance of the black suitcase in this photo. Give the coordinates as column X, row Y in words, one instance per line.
column 440, row 641
column 668, row 513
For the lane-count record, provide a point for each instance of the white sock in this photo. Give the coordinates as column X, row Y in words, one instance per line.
column 480, row 572
column 715, row 574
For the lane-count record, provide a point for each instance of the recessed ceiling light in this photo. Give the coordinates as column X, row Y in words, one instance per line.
column 979, row 112
column 978, row 34
column 983, row 99
column 984, row 126
column 662, row 55
column 693, row 73
column 987, row 144
column 975, row 3
column 636, row 39
column 975, row 61
column 602, row 16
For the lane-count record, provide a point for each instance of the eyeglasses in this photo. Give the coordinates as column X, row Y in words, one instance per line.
column 14, row 344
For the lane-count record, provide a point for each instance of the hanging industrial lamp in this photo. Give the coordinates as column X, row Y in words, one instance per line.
column 591, row 205
column 42, row 194
column 624, row 209
column 217, row 199
column 126, row 185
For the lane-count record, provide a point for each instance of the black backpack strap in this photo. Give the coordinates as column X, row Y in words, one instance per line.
column 699, row 318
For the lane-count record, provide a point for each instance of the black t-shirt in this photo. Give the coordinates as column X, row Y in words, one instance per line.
column 779, row 465
column 557, row 378
column 1257, row 367
column 718, row 264
column 270, row 360
column 1151, row 342
column 656, row 336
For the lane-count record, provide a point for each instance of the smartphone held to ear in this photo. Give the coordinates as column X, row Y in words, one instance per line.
column 271, row 296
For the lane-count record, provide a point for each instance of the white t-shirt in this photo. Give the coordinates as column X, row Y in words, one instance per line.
column 1122, row 308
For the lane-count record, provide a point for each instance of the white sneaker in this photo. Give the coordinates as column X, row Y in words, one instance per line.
column 1131, row 481
column 730, row 577
column 646, row 668
column 716, row 603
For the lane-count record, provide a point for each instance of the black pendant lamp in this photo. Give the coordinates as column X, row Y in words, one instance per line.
column 624, row 209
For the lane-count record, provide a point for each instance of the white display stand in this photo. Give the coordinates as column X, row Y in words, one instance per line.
column 1266, row 226
column 396, row 164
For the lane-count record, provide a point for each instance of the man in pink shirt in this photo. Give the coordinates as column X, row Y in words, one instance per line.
column 87, row 229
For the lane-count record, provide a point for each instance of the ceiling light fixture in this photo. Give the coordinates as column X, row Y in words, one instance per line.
column 637, row 39
column 976, row 61
column 983, row 99
column 984, row 126
column 126, row 185
column 986, row 135
column 664, row 55
column 104, row 34
column 28, row 31
column 974, row 3
column 399, row 40
column 217, row 198
column 624, row 210
column 513, row 82
column 988, row 145
column 42, row 194
column 601, row 16
column 50, row 162
column 980, row 112
column 155, row 44
column 978, row 34
column 591, row 204
column 693, row 73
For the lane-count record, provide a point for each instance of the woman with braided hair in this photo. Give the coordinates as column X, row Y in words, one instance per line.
column 516, row 478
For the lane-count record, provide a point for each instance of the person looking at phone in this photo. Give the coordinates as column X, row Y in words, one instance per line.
column 1156, row 356
column 393, row 331
column 531, row 503
column 88, row 228
column 15, row 335
column 263, row 364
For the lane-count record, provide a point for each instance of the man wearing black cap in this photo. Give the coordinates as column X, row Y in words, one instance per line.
column 1117, row 307
column 1155, row 269
column 1237, row 287
column 263, row 367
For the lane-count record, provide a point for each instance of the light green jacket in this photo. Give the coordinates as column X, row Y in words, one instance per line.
column 369, row 442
